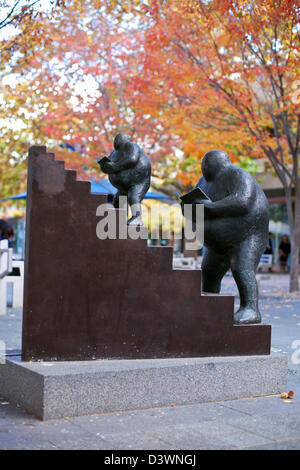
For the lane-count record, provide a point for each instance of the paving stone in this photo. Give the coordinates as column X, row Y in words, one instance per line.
column 208, row 435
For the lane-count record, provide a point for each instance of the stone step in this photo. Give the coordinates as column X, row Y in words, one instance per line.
column 52, row 390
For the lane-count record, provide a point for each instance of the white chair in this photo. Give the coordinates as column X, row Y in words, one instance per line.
column 183, row 262
column 17, row 282
column 265, row 261
column 177, row 262
column 5, row 268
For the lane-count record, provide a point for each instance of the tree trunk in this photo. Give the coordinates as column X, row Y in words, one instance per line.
column 294, row 224
column 294, row 264
column 294, row 273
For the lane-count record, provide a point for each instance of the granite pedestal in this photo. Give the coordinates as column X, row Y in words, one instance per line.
column 58, row 389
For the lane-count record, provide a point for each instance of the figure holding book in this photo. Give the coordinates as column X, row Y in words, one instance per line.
column 236, row 214
column 129, row 170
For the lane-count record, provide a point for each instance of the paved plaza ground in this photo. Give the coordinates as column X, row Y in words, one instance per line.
column 252, row 423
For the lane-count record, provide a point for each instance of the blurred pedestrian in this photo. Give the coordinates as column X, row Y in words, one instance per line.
column 284, row 252
column 2, row 226
column 6, row 232
column 269, row 248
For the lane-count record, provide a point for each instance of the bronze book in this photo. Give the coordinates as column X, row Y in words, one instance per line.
column 192, row 196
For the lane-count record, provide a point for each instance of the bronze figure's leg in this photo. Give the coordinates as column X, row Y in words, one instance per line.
column 244, row 261
column 116, row 200
column 135, row 196
column 214, row 268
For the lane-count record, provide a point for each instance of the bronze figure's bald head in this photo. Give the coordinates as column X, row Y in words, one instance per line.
column 213, row 162
column 120, row 139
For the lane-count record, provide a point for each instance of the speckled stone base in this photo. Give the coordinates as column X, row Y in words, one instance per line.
column 58, row 389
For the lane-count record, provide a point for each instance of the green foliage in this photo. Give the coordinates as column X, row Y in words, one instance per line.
column 249, row 165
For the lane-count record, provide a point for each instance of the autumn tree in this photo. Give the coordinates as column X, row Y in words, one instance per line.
column 191, row 75
column 73, row 86
column 20, row 26
column 16, row 12
column 225, row 75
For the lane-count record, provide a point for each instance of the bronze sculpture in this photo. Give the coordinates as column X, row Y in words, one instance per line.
column 129, row 170
column 235, row 230
column 129, row 303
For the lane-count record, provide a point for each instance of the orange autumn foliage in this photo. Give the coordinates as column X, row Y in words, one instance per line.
column 223, row 75
column 184, row 75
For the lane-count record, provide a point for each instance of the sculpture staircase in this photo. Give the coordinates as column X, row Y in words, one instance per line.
column 86, row 298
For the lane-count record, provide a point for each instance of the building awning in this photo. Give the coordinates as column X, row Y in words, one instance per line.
column 101, row 187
